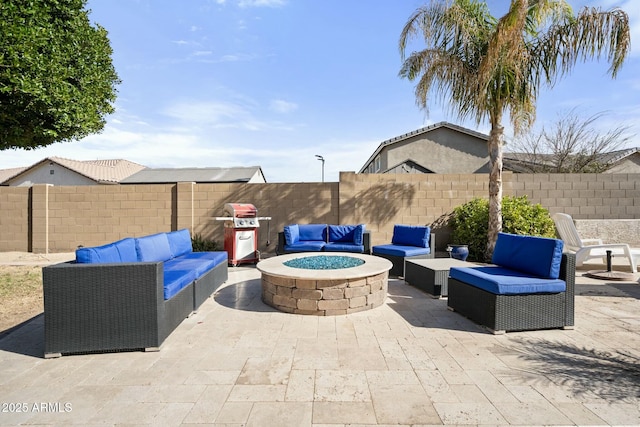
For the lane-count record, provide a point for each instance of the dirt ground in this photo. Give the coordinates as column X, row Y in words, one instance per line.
column 21, row 285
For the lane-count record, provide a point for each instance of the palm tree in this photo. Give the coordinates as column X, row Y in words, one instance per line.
column 485, row 68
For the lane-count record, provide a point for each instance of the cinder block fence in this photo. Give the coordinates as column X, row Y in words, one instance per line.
column 46, row 218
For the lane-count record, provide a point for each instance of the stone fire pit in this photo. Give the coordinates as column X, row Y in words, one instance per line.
column 325, row 292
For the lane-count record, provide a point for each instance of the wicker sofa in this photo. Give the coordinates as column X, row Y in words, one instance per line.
column 127, row 295
column 531, row 285
column 324, row 237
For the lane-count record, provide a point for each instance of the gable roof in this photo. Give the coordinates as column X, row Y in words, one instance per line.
column 420, row 131
column 411, row 165
column 198, row 175
column 101, row 171
column 6, row 174
column 523, row 162
column 615, row 156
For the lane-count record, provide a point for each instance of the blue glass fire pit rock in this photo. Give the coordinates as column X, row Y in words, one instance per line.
column 324, row 262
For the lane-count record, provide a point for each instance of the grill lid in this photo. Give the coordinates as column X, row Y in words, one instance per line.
column 241, row 210
column 243, row 215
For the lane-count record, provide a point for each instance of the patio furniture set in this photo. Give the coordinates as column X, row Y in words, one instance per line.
column 131, row 294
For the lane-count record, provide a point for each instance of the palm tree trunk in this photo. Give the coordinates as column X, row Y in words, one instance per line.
column 496, row 139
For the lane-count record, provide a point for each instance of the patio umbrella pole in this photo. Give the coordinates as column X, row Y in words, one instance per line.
column 609, row 274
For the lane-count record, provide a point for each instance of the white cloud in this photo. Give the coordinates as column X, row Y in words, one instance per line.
column 209, row 114
column 261, row 3
column 236, row 57
column 281, row 106
column 200, row 115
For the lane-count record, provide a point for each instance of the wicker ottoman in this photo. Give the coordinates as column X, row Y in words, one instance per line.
column 432, row 275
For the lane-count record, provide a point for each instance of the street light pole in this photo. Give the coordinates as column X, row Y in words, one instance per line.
column 322, row 160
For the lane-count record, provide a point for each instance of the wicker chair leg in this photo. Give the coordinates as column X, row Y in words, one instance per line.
column 52, row 355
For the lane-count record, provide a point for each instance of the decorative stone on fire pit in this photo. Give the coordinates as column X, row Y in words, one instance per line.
column 324, row 285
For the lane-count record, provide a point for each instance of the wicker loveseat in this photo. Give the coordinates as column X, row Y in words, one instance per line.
column 531, row 285
column 127, row 295
column 324, row 237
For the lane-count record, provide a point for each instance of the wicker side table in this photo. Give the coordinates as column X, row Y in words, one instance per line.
column 432, row 275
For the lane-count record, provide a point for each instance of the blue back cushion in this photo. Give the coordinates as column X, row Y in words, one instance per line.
column 121, row 251
column 411, row 235
column 99, row 254
column 291, row 234
column 346, row 233
column 538, row 256
column 153, row 248
column 313, row 232
column 127, row 249
column 180, row 242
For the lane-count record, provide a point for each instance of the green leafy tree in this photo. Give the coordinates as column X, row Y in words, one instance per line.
column 469, row 223
column 485, row 68
column 57, row 82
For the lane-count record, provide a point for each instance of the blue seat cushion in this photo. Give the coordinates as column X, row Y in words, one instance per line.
column 153, row 248
column 411, row 235
column 343, row 247
column 537, row 256
column 346, row 233
column 176, row 278
column 121, row 251
column 180, row 242
column 400, row 250
column 503, row 281
column 305, row 246
column 201, row 262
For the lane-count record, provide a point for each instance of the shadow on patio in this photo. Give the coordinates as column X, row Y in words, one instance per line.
column 610, row 375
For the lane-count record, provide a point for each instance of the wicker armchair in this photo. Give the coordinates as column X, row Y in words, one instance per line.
column 503, row 313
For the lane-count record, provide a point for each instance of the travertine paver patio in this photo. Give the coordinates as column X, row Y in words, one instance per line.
column 238, row 362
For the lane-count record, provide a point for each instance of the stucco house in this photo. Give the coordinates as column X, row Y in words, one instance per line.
column 61, row 171
column 450, row 149
column 440, row 148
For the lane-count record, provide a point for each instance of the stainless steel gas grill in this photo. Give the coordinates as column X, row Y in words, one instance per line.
column 241, row 232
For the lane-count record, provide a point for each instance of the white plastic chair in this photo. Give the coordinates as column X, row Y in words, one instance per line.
column 586, row 249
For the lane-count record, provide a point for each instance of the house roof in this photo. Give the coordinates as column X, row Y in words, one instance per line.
column 102, row 171
column 517, row 162
column 6, row 174
column 201, row 175
column 420, row 131
column 615, row 156
column 411, row 164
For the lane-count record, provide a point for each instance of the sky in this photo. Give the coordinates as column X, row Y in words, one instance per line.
column 273, row 83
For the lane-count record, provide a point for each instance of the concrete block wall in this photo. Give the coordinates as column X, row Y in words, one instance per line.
column 48, row 218
column 285, row 203
column 66, row 217
column 14, row 219
column 382, row 200
column 583, row 196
